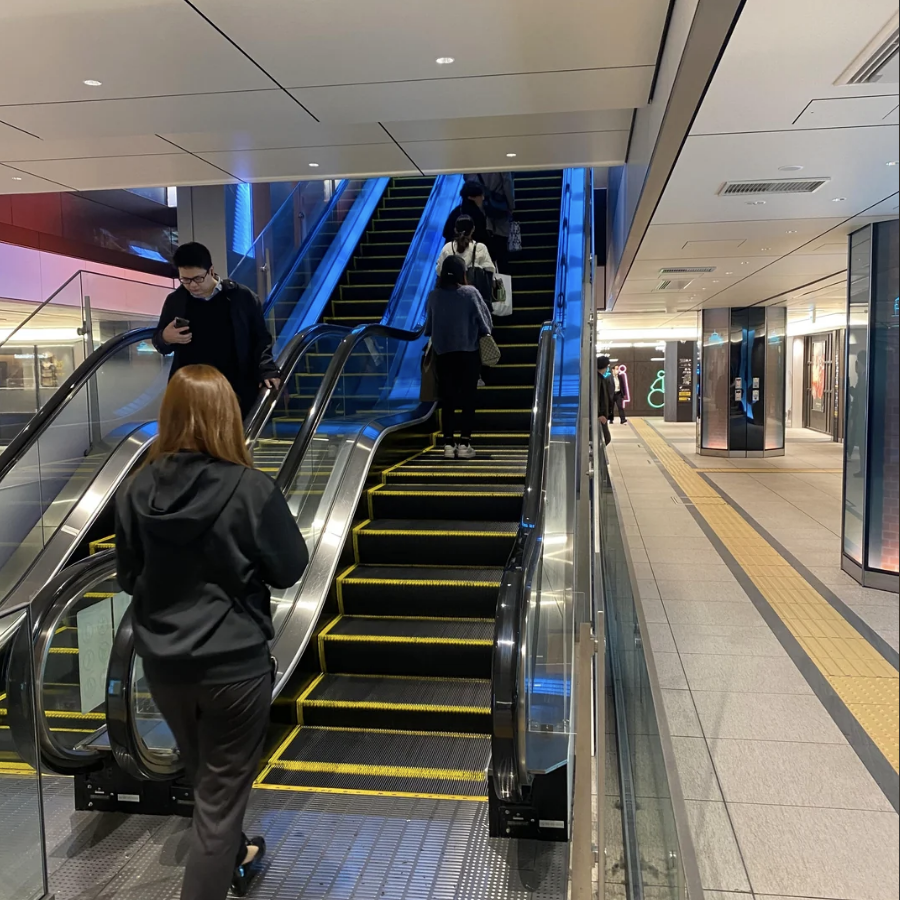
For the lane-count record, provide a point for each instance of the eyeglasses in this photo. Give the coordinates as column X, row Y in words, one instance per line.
column 197, row 279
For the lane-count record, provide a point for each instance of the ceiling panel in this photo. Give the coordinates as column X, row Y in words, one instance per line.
column 782, row 55
column 368, row 160
column 79, row 148
column 854, row 158
column 128, row 171
column 244, row 111
column 493, row 96
column 14, row 180
column 329, row 42
column 278, row 132
column 537, row 151
column 512, row 126
column 847, row 112
column 136, row 48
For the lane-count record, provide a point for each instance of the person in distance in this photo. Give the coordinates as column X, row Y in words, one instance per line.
column 456, row 320
column 605, row 395
column 216, row 322
column 472, row 205
column 200, row 537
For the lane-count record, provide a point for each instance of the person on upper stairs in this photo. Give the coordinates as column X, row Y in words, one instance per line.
column 456, row 320
column 472, row 205
column 216, row 322
column 499, row 208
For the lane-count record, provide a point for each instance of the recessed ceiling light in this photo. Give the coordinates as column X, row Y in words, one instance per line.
column 838, row 199
column 314, row 165
column 729, row 273
column 792, row 231
column 765, row 248
column 715, row 281
column 756, row 203
column 893, row 162
column 445, row 60
column 745, row 263
column 789, row 168
column 17, row 178
column 92, row 82
column 511, row 155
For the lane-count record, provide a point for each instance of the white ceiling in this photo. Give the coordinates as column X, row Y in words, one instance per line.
column 224, row 90
column 773, row 103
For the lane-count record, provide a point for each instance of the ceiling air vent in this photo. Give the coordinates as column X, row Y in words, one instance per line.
column 877, row 63
column 778, row 186
column 673, row 284
column 687, row 270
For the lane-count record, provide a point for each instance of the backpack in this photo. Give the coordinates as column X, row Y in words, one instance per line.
column 480, row 278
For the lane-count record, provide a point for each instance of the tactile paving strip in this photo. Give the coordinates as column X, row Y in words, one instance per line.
column 865, row 681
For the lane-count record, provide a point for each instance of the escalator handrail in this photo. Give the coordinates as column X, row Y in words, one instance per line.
column 71, row 581
column 47, row 609
column 508, row 664
column 287, row 362
column 26, row 438
column 330, row 381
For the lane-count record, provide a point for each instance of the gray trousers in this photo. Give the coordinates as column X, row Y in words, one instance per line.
column 220, row 731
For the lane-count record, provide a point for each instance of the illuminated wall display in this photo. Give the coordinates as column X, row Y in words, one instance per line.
column 644, row 375
column 742, row 397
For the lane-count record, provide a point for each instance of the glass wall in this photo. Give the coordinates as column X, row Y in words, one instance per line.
column 884, row 427
column 872, row 423
column 22, row 854
column 857, row 393
column 776, row 337
column 715, row 379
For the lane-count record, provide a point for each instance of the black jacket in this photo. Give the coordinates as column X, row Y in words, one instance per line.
column 251, row 336
column 198, row 541
column 605, row 394
column 467, row 208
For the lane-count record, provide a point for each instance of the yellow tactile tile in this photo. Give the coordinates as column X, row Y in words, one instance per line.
column 866, row 683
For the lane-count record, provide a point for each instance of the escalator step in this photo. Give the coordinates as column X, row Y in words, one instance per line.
column 433, row 542
column 419, row 591
column 453, row 501
column 418, row 704
column 459, row 648
column 398, row 763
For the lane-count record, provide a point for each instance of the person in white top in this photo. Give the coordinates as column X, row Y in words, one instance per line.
column 464, row 245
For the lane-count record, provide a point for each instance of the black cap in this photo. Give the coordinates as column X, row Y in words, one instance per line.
column 602, row 362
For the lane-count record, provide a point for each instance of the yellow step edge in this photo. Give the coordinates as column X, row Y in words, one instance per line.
column 397, row 639
column 323, row 635
column 399, row 707
column 381, row 771
column 422, row 582
column 399, row 532
column 405, row 795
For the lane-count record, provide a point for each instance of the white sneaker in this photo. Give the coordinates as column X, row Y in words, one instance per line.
column 449, row 451
column 465, row 451
column 481, row 383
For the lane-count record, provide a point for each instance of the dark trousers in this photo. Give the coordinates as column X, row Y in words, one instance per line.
column 619, row 404
column 607, row 435
column 220, row 730
column 458, row 388
column 498, row 247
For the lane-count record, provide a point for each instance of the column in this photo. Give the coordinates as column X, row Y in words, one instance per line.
column 202, row 218
column 681, row 381
column 742, row 382
column 870, row 539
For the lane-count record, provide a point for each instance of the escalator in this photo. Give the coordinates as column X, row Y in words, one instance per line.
column 396, row 694
column 79, row 521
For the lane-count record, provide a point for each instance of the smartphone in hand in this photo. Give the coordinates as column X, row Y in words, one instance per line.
column 181, row 322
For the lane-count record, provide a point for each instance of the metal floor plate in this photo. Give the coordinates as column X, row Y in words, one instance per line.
column 321, row 848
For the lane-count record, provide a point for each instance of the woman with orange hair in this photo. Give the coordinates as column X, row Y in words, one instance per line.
column 200, row 537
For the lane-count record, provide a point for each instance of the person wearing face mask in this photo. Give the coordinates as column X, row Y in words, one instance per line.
column 216, row 322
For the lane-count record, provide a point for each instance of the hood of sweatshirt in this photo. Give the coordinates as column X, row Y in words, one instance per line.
column 179, row 497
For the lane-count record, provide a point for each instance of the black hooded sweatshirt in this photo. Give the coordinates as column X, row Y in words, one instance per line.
column 198, row 542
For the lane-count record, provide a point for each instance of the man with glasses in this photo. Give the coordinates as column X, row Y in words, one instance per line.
column 219, row 323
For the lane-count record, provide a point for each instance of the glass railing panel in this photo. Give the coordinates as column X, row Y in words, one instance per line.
column 296, row 395
column 40, row 351
column 22, row 848
column 45, row 483
column 73, row 685
column 649, row 812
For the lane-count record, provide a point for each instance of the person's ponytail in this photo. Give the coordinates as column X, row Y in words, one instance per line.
column 464, row 231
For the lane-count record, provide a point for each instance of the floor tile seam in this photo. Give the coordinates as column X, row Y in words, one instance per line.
column 875, row 761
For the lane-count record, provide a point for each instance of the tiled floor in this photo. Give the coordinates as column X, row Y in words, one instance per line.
column 780, row 804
